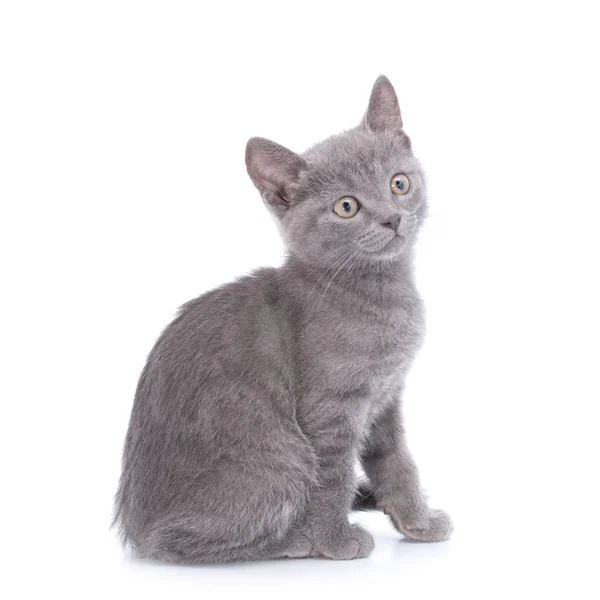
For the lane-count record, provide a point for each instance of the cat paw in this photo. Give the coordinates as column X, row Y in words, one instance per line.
column 346, row 543
column 422, row 525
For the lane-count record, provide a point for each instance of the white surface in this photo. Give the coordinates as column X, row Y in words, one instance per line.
column 124, row 194
column 472, row 565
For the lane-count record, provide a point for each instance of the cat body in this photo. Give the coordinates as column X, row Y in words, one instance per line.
column 260, row 397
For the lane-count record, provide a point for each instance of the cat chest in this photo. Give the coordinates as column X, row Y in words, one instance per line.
column 367, row 350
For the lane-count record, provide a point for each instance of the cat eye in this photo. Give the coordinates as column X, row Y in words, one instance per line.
column 400, row 184
column 346, row 207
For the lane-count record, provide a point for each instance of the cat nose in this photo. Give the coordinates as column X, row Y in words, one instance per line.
column 393, row 222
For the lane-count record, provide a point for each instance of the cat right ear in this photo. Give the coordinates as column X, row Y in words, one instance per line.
column 383, row 113
column 274, row 170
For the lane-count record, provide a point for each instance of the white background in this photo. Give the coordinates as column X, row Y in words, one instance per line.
column 124, row 194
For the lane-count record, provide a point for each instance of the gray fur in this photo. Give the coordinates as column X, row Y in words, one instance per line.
column 259, row 398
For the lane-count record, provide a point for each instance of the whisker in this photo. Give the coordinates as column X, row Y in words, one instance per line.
column 349, row 258
column 337, row 258
column 348, row 274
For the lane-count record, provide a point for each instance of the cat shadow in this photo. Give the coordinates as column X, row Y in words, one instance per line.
column 390, row 550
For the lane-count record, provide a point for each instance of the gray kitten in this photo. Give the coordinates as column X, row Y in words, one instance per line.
column 258, row 400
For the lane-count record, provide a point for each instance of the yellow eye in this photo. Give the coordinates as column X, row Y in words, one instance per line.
column 400, row 184
column 346, row 207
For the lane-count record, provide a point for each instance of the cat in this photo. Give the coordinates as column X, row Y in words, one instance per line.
column 259, row 399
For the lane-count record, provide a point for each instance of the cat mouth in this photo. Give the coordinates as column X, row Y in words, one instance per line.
column 391, row 247
column 395, row 243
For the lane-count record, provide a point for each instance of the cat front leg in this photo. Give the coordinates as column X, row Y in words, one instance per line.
column 391, row 469
column 326, row 523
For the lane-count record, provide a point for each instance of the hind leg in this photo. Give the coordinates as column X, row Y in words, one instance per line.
column 196, row 539
column 292, row 545
column 187, row 541
column 241, row 509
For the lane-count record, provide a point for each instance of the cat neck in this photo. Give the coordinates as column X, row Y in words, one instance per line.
column 380, row 283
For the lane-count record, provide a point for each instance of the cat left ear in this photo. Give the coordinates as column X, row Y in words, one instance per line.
column 383, row 113
column 274, row 170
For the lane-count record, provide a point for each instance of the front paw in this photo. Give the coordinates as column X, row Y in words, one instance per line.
column 422, row 524
column 343, row 543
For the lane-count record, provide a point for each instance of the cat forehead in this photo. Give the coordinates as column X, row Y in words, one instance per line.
column 358, row 155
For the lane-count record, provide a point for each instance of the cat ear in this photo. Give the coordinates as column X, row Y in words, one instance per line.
column 383, row 113
column 273, row 169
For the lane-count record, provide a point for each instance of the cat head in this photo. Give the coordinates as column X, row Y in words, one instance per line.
column 358, row 194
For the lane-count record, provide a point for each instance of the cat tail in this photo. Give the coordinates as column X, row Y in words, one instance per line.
column 364, row 497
